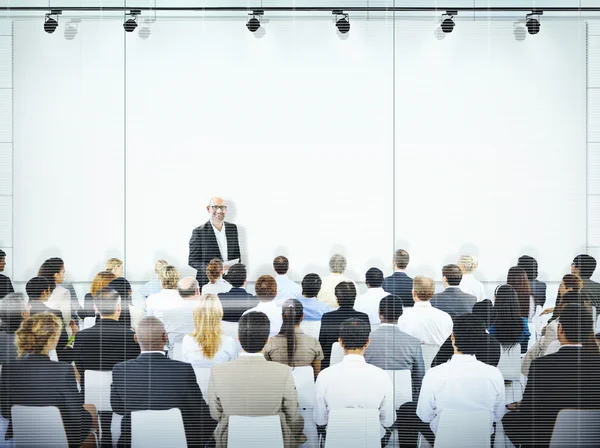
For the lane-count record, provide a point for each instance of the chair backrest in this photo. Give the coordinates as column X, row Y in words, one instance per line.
column 510, row 363
column 177, row 353
column 349, row 428
column 469, row 429
column 263, row 432
column 553, row 347
column 38, row 426
column 304, row 378
column 97, row 389
column 157, row 429
column 89, row 322
column 337, row 354
column 202, row 378
column 230, row 329
column 576, row 428
column 429, row 352
column 402, row 386
column 311, row 327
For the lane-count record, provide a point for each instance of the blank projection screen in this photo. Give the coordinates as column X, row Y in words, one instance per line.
column 296, row 130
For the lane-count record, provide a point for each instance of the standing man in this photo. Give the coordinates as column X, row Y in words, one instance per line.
column 214, row 239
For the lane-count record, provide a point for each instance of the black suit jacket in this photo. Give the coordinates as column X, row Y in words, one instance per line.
column 204, row 247
column 568, row 378
column 330, row 328
column 400, row 284
column 154, row 382
column 235, row 303
column 6, row 286
column 102, row 346
column 454, row 301
column 538, row 291
column 35, row 380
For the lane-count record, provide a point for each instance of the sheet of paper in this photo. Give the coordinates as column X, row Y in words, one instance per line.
column 230, row 263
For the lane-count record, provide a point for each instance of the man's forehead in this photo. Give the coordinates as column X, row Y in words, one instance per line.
column 216, row 201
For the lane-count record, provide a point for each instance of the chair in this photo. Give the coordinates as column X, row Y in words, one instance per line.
column 89, row 322
column 115, row 428
column 263, row 432
column 429, row 352
column 3, row 426
column 337, row 354
column 402, row 386
column 510, row 367
column 465, row 429
column 311, row 327
column 97, row 389
column 154, row 429
column 202, row 378
column 576, row 428
column 353, row 428
column 304, row 379
column 38, row 426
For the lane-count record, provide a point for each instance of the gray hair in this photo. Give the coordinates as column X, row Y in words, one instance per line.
column 11, row 307
column 337, row 264
column 187, row 287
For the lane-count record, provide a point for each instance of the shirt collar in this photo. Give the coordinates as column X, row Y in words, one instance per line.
column 354, row 358
column 250, row 355
column 387, row 325
column 571, row 345
column 463, row 358
column 422, row 304
column 153, row 351
column 217, row 230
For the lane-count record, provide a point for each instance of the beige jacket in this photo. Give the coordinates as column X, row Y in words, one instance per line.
column 539, row 348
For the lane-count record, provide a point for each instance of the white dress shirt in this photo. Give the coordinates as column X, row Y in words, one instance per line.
column 369, row 303
column 471, row 285
column 163, row 300
column 273, row 312
column 287, row 289
column 192, row 353
column 426, row 323
column 60, row 299
column 179, row 321
column 327, row 293
column 221, row 241
column 461, row 384
column 353, row 383
column 217, row 287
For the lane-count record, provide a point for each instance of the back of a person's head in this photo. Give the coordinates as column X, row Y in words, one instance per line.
column 424, row 287
column 237, row 275
column 577, row 325
column 291, row 314
column 453, row 274
column 2, row 254
column 354, row 334
column 159, row 266
column 467, row 264
column 572, row 298
column 101, row 281
column 214, row 270
column 253, row 331
column 281, row 265
column 401, row 259
column 572, row 282
column 11, row 308
column 207, row 315
column 390, row 308
column 170, row 277
column 337, row 264
column 585, row 264
column 36, row 287
column 507, row 319
column 469, row 333
column 122, row 286
column 265, row 288
column 113, row 263
column 50, row 268
column 530, row 265
column 187, row 287
column 150, row 334
column 107, row 302
column 484, row 311
column 35, row 333
column 374, row 278
column 345, row 293
column 517, row 278
column 311, row 285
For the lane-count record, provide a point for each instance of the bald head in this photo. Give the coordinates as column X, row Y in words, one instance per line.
column 217, row 209
column 188, row 288
column 151, row 335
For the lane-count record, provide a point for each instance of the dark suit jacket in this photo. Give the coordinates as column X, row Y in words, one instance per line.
column 330, row 328
column 488, row 351
column 566, row 379
column 454, row 301
column 8, row 349
column 154, row 382
column 102, row 346
column 591, row 290
column 35, row 380
column 538, row 291
column 64, row 353
column 235, row 303
column 6, row 286
column 400, row 284
column 204, row 247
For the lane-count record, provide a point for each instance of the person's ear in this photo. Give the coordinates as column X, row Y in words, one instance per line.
column 341, row 343
column 368, row 342
column 135, row 338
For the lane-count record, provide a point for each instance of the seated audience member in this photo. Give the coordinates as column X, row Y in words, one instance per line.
column 168, row 297
column 392, row 349
column 154, row 285
column 462, row 384
column 6, row 286
column 34, row 380
column 353, row 383
column 567, row 379
column 538, row 288
column 399, row 284
column 237, row 301
column 100, row 282
column 266, row 290
column 54, row 271
column 484, row 311
column 468, row 283
column 108, row 342
column 123, row 287
column 337, row 266
column 13, row 311
column 517, row 278
column 508, row 327
column 179, row 321
column 452, row 299
column 286, row 287
column 291, row 346
column 313, row 308
column 154, row 382
column 422, row 321
column 207, row 345
column 584, row 266
column 216, row 284
column 253, row 386
column 368, row 302
column 569, row 282
column 345, row 293
column 115, row 266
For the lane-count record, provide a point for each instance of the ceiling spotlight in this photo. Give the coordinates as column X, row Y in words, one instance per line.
column 341, row 21
column 447, row 24
column 70, row 31
column 131, row 24
column 253, row 23
column 533, row 22
column 51, row 23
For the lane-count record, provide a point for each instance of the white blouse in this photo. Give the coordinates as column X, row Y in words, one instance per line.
column 60, row 299
column 192, row 353
column 217, row 287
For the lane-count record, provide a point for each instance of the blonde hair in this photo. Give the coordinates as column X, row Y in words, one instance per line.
column 169, row 278
column 35, row 332
column 207, row 324
column 424, row 287
column 214, row 270
column 467, row 264
column 101, row 281
column 159, row 266
column 113, row 263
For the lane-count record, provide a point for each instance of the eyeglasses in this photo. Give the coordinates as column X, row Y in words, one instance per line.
column 223, row 208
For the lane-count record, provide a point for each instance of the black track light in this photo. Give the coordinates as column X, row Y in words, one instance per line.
column 51, row 23
column 253, row 23
column 131, row 24
column 342, row 22
column 532, row 21
column 447, row 24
